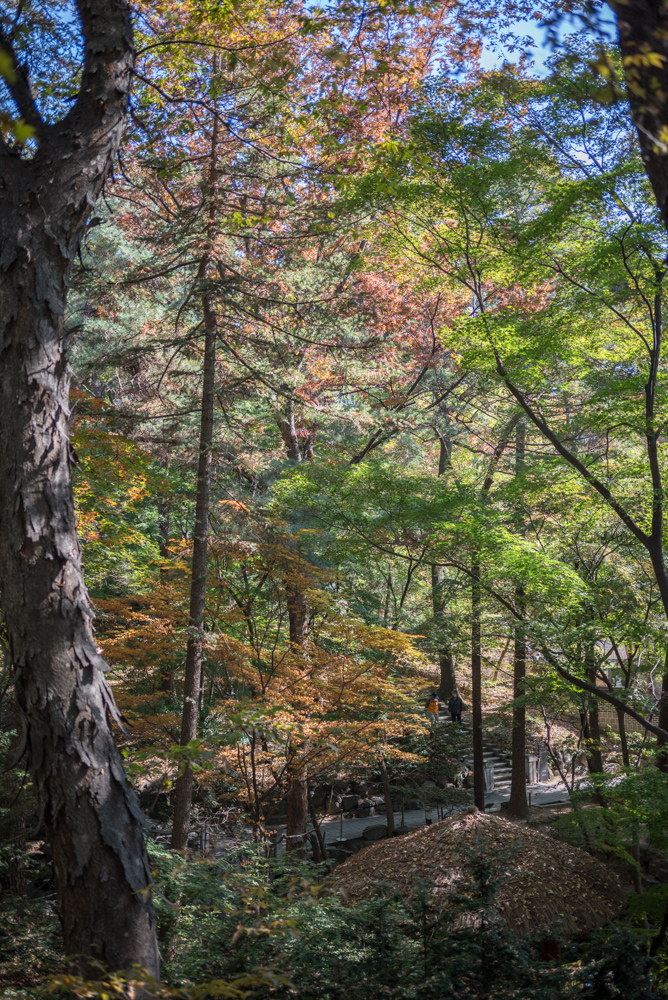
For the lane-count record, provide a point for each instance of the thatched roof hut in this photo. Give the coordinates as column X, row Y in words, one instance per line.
column 543, row 884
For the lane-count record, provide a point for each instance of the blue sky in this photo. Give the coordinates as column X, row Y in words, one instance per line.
column 492, row 59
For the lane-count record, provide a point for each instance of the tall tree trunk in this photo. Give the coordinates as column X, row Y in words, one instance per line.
column 183, row 791
column 621, row 723
column 518, row 806
column 447, row 680
column 594, row 753
column 297, row 601
column 92, row 817
column 298, row 621
column 298, row 614
column 387, row 795
column 317, row 832
column 476, row 641
column 642, row 32
column 166, row 672
column 476, row 689
column 297, row 812
column 192, row 685
column 446, row 663
column 164, row 527
column 595, row 735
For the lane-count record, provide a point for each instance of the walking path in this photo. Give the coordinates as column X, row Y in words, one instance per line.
column 538, row 795
column 354, row 828
column 338, row 832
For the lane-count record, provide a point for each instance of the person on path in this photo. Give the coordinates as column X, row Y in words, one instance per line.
column 431, row 707
column 455, row 707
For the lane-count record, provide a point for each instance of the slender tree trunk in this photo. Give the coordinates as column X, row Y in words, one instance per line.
column 192, row 685
column 298, row 612
column 163, row 528
column 92, row 818
column 446, row 663
column 183, row 791
column 298, row 779
column 476, row 641
column 518, row 806
column 166, row 673
column 622, row 737
column 298, row 622
column 594, row 754
column 476, row 689
column 317, row 832
column 387, row 795
column 297, row 602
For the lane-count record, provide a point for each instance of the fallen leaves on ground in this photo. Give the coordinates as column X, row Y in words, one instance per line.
column 539, row 881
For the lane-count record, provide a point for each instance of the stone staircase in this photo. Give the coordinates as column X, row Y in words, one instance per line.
column 501, row 762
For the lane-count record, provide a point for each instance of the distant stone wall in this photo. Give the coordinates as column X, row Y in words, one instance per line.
column 608, row 717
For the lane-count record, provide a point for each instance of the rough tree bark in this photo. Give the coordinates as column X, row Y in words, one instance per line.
column 643, row 30
column 297, row 812
column 518, row 806
column 91, row 815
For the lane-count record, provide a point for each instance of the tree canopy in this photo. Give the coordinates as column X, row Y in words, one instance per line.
column 331, row 378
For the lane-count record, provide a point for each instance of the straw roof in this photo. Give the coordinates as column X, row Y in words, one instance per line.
column 542, row 883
